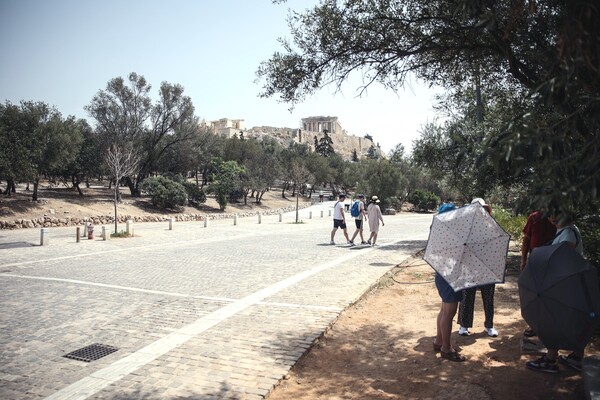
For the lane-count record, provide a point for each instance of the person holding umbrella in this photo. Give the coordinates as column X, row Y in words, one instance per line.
column 467, row 248
column 450, row 300
column 538, row 231
column 567, row 232
column 467, row 304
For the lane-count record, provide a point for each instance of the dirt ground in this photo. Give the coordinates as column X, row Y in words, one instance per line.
column 61, row 201
column 381, row 347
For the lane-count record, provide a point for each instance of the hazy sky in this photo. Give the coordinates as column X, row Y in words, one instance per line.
column 63, row 52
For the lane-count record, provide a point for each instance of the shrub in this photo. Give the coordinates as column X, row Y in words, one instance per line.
column 513, row 224
column 424, row 201
column 165, row 193
column 196, row 195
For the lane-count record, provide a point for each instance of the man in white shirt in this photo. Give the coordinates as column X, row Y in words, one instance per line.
column 339, row 220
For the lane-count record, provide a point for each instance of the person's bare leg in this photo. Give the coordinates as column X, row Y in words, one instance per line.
column 374, row 238
column 447, row 312
column 354, row 235
column 333, row 233
column 346, row 234
column 438, row 337
column 362, row 238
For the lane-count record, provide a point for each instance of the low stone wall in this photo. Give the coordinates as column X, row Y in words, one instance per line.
column 52, row 221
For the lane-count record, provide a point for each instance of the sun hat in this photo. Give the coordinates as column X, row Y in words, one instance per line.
column 478, row 200
column 374, row 198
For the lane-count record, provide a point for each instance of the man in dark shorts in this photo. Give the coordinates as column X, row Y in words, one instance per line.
column 339, row 220
column 362, row 216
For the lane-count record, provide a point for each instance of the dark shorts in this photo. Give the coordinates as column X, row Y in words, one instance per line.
column 358, row 223
column 339, row 223
column 446, row 292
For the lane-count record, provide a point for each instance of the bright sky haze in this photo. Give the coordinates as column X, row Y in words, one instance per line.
column 63, row 52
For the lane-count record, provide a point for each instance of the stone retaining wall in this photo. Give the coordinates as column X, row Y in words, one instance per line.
column 51, row 221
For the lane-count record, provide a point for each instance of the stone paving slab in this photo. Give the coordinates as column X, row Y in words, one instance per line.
column 216, row 312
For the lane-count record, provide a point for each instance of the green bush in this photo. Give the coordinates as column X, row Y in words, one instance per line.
column 513, row 224
column 424, row 201
column 196, row 195
column 165, row 193
column 590, row 236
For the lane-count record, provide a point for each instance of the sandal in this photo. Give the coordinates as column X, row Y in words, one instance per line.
column 529, row 333
column 453, row 356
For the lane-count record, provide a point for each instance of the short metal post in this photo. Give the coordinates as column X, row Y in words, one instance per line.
column 77, row 231
column 170, row 224
column 321, row 213
column 330, row 213
column 44, row 237
column 280, row 216
column 310, row 215
column 259, row 217
column 235, row 219
column 206, row 220
column 129, row 227
column 105, row 233
column 85, row 226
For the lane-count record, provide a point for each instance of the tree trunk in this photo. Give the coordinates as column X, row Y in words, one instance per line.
column 36, row 184
column 132, row 187
column 297, row 199
column 76, row 182
column 115, row 201
column 10, row 186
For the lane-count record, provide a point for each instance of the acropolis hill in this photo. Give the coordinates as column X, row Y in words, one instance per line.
column 343, row 144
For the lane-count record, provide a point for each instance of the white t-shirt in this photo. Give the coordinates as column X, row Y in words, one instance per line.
column 338, row 210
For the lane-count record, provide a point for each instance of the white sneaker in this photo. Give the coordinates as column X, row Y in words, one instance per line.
column 463, row 331
column 332, row 242
column 351, row 243
column 491, row 332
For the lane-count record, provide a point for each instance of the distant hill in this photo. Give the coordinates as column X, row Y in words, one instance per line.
column 343, row 143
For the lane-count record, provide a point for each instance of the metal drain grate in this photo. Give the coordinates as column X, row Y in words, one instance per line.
column 91, row 353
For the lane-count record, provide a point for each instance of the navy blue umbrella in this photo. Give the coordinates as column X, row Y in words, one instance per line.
column 560, row 298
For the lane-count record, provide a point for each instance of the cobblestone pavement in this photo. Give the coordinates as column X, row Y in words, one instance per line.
column 216, row 312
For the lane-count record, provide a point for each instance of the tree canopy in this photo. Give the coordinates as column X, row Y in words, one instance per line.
column 546, row 54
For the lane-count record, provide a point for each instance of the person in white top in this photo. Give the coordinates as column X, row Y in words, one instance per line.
column 374, row 215
column 339, row 220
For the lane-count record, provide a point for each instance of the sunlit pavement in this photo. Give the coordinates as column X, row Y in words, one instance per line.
column 221, row 311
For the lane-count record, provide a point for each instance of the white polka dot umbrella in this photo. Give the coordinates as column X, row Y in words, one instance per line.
column 467, row 247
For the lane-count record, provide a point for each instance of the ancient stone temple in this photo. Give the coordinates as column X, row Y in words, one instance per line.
column 321, row 124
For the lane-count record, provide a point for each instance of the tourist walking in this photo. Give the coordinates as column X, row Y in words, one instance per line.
column 374, row 216
column 359, row 219
column 339, row 220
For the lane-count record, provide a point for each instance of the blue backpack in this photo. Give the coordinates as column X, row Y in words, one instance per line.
column 355, row 210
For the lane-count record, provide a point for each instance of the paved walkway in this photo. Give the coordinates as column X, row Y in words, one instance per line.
column 219, row 312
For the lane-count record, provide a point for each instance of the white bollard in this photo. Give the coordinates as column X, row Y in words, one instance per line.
column 259, row 217
column 280, row 216
column 321, row 213
column 44, row 237
column 330, row 213
column 206, row 220
column 129, row 227
column 310, row 215
column 105, row 233
column 170, row 224
column 235, row 219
